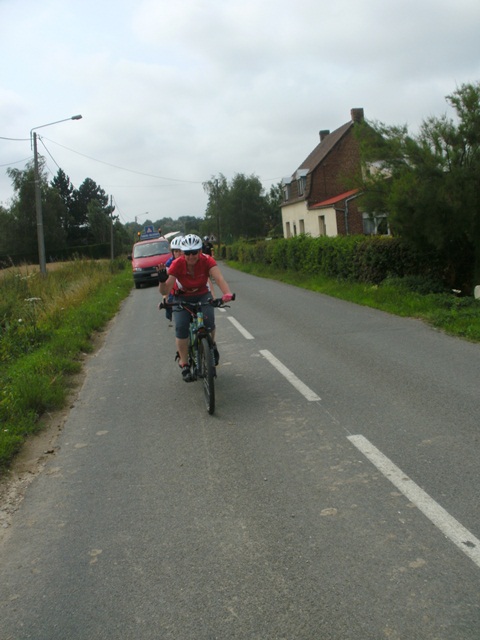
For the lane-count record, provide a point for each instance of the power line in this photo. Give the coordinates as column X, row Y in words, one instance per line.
column 16, row 162
column 140, row 173
column 45, row 147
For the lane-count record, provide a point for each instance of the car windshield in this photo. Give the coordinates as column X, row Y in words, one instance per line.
column 151, row 249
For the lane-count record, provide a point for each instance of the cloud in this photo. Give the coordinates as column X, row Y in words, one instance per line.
column 184, row 91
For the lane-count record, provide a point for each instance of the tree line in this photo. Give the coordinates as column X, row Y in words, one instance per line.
column 75, row 220
column 72, row 218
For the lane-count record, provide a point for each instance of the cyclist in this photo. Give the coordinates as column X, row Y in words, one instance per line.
column 207, row 246
column 190, row 274
column 176, row 253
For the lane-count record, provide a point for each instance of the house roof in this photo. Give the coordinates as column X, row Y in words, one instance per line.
column 324, row 147
column 334, row 200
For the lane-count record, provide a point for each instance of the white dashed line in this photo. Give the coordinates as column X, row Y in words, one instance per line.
column 451, row 528
column 242, row 330
column 291, row 377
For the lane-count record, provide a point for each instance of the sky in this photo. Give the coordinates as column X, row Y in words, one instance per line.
column 172, row 94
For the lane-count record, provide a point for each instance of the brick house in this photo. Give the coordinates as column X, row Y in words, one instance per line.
column 317, row 200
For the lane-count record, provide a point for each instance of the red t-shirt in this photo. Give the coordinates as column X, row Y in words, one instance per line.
column 195, row 285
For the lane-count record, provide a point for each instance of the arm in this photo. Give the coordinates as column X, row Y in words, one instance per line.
column 167, row 286
column 210, row 286
column 220, row 280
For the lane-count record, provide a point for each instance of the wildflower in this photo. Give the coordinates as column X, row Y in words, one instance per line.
column 32, row 299
column 20, row 320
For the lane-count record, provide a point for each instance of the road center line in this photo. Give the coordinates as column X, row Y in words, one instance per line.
column 242, row 330
column 291, row 377
column 451, row 528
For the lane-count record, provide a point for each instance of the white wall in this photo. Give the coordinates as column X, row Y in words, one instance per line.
column 297, row 219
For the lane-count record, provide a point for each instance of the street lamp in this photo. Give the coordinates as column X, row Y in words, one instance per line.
column 38, row 196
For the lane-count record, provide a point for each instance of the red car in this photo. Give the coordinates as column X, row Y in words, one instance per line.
column 146, row 255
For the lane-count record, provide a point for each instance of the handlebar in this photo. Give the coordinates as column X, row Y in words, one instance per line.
column 214, row 302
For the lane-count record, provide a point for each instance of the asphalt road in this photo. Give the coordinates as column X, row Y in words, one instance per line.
column 332, row 496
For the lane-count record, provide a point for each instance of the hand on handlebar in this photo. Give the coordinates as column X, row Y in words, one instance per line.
column 227, row 297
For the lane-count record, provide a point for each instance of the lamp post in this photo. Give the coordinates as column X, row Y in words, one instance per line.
column 38, row 196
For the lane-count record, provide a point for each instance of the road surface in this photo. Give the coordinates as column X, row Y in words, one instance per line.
column 332, row 496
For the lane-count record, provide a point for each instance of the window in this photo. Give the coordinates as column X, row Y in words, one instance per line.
column 286, row 188
column 375, row 225
column 302, row 226
column 301, row 184
column 301, row 178
column 322, row 230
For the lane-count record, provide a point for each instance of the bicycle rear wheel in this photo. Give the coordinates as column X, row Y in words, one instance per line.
column 207, row 368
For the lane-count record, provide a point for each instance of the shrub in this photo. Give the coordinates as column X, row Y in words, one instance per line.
column 349, row 258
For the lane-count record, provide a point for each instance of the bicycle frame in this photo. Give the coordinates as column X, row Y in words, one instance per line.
column 197, row 333
column 200, row 346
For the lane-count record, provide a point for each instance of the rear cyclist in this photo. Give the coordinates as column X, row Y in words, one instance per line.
column 189, row 274
column 176, row 253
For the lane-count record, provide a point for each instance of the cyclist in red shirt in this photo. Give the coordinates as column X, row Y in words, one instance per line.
column 189, row 275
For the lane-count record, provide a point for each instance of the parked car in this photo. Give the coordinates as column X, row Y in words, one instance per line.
column 146, row 255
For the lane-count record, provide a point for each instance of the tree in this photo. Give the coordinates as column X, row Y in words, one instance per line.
column 430, row 184
column 22, row 227
column 21, row 230
column 217, row 206
column 82, row 198
column 61, row 183
column 98, row 223
column 239, row 209
column 247, row 207
column 273, row 214
column 5, row 235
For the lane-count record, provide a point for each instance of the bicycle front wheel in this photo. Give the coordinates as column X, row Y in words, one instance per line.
column 208, row 373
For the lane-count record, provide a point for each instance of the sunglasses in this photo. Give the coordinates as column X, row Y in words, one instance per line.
column 192, row 252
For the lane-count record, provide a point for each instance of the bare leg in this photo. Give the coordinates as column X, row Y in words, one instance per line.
column 182, row 348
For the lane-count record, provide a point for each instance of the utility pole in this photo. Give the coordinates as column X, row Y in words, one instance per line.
column 217, row 211
column 38, row 206
column 38, row 195
column 112, row 253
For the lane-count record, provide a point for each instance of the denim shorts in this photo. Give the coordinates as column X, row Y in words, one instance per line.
column 182, row 317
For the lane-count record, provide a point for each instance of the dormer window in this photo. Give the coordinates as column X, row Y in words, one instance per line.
column 301, row 178
column 301, row 184
column 286, row 182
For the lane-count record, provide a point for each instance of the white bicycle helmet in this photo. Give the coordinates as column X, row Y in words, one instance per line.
column 176, row 243
column 191, row 242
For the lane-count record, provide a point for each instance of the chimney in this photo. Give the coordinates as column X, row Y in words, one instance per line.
column 356, row 115
column 323, row 134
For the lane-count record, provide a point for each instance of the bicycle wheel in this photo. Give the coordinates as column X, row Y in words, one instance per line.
column 207, row 368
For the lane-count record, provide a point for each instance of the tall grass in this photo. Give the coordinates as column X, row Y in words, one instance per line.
column 45, row 326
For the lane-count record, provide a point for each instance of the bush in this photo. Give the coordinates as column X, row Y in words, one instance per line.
column 369, row 259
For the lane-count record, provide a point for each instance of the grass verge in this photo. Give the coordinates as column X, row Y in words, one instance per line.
column 456, row 316
column 46, row 325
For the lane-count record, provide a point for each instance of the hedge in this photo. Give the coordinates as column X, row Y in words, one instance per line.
column 369, row 259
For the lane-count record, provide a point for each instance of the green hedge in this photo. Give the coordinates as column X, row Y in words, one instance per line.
column 369, row 259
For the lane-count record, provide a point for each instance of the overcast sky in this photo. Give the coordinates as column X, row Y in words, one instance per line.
column 173, row 93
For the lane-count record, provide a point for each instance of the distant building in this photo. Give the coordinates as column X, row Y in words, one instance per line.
column 316, row 200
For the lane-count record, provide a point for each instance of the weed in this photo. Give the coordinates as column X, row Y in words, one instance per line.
column 45, row 324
